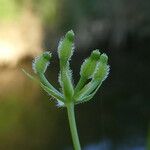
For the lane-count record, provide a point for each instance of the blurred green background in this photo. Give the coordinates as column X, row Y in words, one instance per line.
column 118, row 117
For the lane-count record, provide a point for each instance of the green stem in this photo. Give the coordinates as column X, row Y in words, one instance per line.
column 45, row 82
column 73, row 128
column 80, row 84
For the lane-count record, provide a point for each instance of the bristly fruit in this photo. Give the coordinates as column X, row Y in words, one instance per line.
column 41, row 63
column 102, row 69
column 93, row 72
column 66, row 47
column 89, row 65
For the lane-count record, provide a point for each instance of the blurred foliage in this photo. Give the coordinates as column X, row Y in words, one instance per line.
column 99, row 20
column 46, row 10
column 10, row 10
column 117, row 19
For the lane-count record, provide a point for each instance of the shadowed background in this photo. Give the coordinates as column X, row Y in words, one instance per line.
column 118, row 116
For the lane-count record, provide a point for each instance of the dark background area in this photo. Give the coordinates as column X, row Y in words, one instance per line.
column 118, row 116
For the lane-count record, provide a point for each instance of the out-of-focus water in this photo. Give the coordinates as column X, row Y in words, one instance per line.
column 116, row 119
